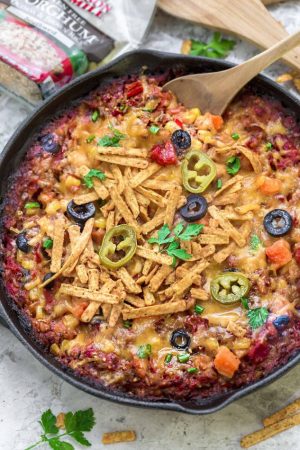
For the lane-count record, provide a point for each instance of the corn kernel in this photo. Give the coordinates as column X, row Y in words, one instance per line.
column 34, row 294
column 32, row 211
column 32, row 284
column 171, row 126
column 100, row 223
column 27, row 264
column 65, row 345
column 39, row 312
column 70, row 321
column 71, row 181
column 191, row 115
column 196, row 145
column 241, row 344
column 60, row 309
column 52, row 207
column 211, row 344
column 281, row 284
column 55, row 349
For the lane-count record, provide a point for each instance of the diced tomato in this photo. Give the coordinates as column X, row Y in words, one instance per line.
column 279, row 253
column 134, row 88
column 78, row 309
column 164, row 154
column 226, row 362
column 297, row 255
column 217, row 122
column 270, row 186
column 179, row 123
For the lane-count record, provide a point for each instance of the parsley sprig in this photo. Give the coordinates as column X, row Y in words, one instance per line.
column 257, row 316
column 93, row 173
column 255, row 242
column 217, row 47
column 111, row 141
column 173, row 238
column 75, row 424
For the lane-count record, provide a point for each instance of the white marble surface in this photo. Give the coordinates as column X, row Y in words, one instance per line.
column 27, row 388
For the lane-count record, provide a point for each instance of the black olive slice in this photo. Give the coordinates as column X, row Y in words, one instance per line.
column 97, row 320
column 81, row 213
column 278, row 222
column 180, row 339
column 22, row 243
column 194, row 209
column 181, row 140
column 49, row 143
column 46, row 277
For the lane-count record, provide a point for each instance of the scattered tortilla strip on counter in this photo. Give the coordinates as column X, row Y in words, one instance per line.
column 88, row 294
column 226, row 225
column 139, row 163
column 118, row 436
column 121, row 151
column 143, row 175
column 58, row 245
column 282, row 413
column 159, row 258
column 155, row 310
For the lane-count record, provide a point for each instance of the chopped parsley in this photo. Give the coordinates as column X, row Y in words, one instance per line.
column 217, row 47
column 32, row 205
column 235, row 136
column 154, row 129
column 111, row 141
column 257, row 317
column 95, row 115
column 75, row 424
column 219, row 183
column 93, row 173
column 233, row 165
column 90, row 139
column 48, row 243
column 198, row 309
column 144, row 351
column 269, row 145
column 168, row 358
column 192, row 370
column 127, row 324
column 245, row 303
column 255, row 242
column 183, row 357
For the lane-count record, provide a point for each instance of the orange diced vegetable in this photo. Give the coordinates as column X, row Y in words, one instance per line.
column 217, row 122
column 78, row 308
column 226, row 362
column 279, row 253
column 270, row 186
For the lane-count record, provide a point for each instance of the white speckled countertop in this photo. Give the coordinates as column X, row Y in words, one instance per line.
column 28, row 388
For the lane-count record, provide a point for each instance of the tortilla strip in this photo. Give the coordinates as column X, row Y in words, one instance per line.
column 131, row 201
column 282, row 413
column 139, row 163
column 155, row 310
column 152, row 196
column 226, row 199
column 76, row 251
column 199, row 294
column 228, row 184
column 153, row 223
column 118, row 177
column 122, row 151
column 95, row 296
column 182, row 285
column 231, row 215
column 159, row 258
column 105, row 209
column 196, row 250
column 93, row 307
column 213, row 239
column 82, row 273
column 129, row 282
column 244, row 209
column 140, row 177
column 143, row 201
column 114, row 315
column 118, row 436
column 205, row 252
column 214, row 230
column 148, row 297
column 147, row 267
column 85, row 198
column 269, row 431
column 123, row 208
column 98, row 186
column 135, row 300
column 252, row 157
column 175, row 194
column 146, row 278
column 110, row 221
column 58, row 245
column 223, row 254
column 158, row 185
column 226, row 225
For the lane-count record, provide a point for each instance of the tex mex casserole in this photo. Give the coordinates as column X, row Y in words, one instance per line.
column 155, row 249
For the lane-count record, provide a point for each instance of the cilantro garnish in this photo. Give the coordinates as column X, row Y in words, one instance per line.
column 235, row 136
column 111, row 141
column 32, row 205
column 257, row 317
column 90, row 138
column 75, row 424
column 255, row 242
column 233, row 165
column 144, row 351
column 269, row 145
column 93, row 173
column 245, row 303
column 48, row 243
column 127, row 323
column 173, row 238
column 95, row 115
column 154, row 129
column 198, row 309
column 219, row 183
column 217, row 47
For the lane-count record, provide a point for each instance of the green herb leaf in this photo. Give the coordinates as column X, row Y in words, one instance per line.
column 48, row 243
column 154, row 129
column 178, row 229
column 168, row 358
column 95, row 115
column 183, row 357
column 219, row 183
column 90, row 139
column 217, row 47
column 235, row 136
column 255, row 242
column 257, row 317
column 48, row 421
column 233, row 165
column 85, row 419
column 192, row 370
column 198, row 309
column 32, row 205
column 269, row 145
column 192, row 230
column 93, row 173
column 116, row 132
column 179, row 253
column 56, row 444
column 127, row 324
column 70, row 422
column 245, row 303
column 144, row 351
column 80, row 437
column 108, row 141
column 162, row 236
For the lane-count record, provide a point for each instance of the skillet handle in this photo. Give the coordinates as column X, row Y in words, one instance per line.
column 2, row 320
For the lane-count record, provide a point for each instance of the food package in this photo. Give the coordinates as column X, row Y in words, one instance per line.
column 44, row 44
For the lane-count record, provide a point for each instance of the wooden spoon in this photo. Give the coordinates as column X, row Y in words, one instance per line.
column 248, row 19
column 213, row 91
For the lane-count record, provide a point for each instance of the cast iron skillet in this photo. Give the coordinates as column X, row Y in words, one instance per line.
column 9, row 161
